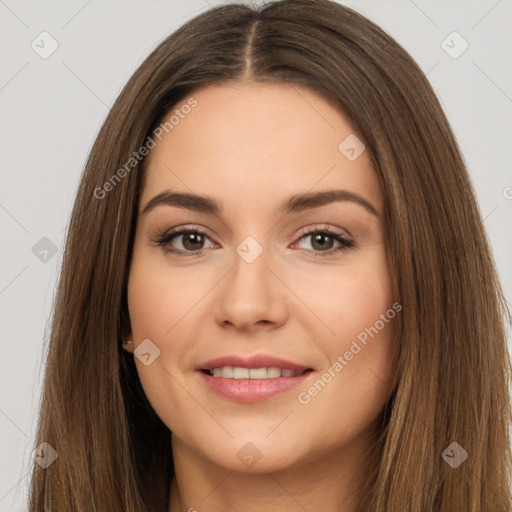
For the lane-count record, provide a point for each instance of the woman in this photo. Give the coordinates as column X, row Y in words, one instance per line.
column 203, row 358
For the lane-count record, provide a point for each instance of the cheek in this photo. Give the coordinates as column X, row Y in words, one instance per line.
column 358, row 308
column 353, row 386
column 159, row 307
column 353, row 300
column 158, row 299
column 362, row 301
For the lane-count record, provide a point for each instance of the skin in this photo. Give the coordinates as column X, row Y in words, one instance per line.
column 251, row 146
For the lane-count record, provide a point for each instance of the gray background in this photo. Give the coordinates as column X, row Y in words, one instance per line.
column 52, row 108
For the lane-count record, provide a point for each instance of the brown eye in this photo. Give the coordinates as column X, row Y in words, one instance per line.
column 323, row 240
column 192, row 242
column 319, row 241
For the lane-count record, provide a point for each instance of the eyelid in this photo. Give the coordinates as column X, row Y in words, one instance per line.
column 205, row 231
column 324, row 227
column 163, row 238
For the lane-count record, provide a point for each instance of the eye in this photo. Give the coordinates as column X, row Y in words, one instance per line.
column 323, row 239
column 192, row 242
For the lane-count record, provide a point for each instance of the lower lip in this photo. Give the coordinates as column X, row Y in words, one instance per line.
column 251, row 390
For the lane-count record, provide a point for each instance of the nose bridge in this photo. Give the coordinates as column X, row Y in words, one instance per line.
column 251, row 262
column 251, row 293
column 251, row 278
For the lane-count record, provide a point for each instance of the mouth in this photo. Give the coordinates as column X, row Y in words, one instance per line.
column 237, row 372
column 252, row 379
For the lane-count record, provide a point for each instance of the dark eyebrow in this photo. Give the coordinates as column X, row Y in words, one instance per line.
column 192, row 202
column 294, row 204
column 301, row 202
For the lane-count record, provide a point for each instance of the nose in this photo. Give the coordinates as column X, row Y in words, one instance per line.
column 252, row 296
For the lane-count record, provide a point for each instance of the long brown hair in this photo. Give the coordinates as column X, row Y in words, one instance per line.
column 453, row 366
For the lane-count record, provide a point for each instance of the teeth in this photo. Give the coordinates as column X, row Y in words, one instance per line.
column 273, row 373
column 258, row 373
column 230, row 372
column 226, row 372
column 240, row 373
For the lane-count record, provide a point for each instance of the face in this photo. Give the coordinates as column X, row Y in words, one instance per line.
column 300, row 294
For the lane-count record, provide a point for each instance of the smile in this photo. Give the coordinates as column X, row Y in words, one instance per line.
column 230, row 372
column 251, row 378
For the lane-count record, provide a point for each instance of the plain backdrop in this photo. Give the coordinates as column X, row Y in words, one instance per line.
column 52, row 106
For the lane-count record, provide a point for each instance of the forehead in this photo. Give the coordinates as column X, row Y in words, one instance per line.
column 257, row 141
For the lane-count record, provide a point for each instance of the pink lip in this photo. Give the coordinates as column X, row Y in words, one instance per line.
column 251, row 390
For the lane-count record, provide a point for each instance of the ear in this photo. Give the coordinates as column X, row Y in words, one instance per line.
column 126, row 331
column 128, row 342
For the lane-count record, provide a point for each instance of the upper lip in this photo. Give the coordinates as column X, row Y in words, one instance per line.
column 255, row 361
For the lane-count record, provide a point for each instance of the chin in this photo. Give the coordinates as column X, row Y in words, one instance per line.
column 257, row 453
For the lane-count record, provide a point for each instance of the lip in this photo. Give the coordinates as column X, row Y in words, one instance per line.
column 251, row 390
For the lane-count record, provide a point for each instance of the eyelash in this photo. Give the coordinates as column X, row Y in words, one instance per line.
column 164, row 239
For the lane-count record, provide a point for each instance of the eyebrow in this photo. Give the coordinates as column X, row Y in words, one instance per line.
column 294, row 204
